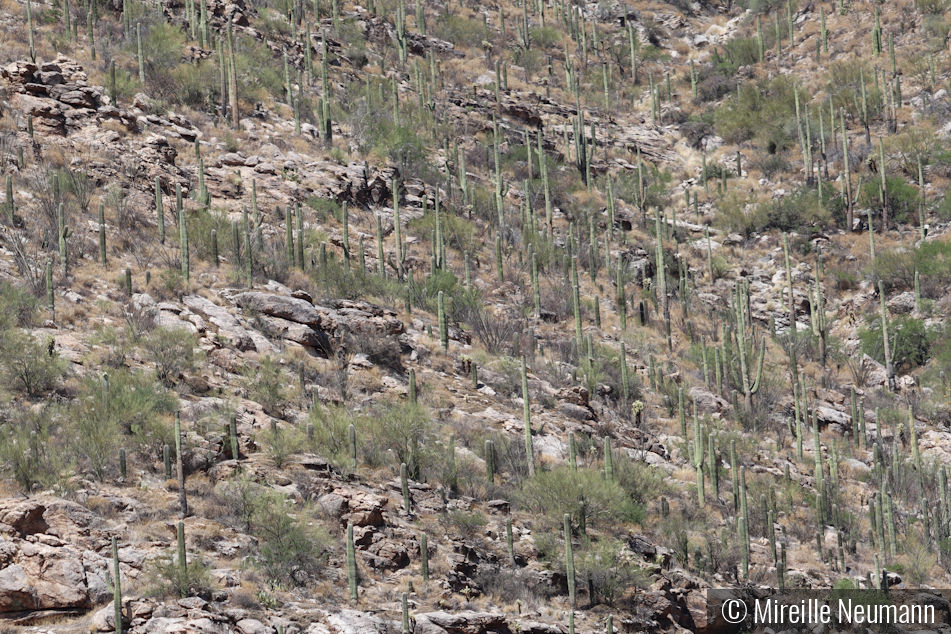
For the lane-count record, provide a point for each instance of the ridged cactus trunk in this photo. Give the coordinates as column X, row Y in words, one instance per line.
column 443, row 323
column 569, row 562
column 180, row 467
column 116, row 587
column 351, row 565
column 527, row 421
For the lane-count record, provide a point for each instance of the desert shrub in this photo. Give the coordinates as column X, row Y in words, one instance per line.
column 845, row 87
column 909, row 341
column 29, row 366
column 330, row 424
column 280, row 443
column 545, row 36
column 468, row 525
column 168, row 578
column 799, row 210
column 172, row 352
column 770, row 164
column 396, row 434
column 643, row 483
column 610, row 571
column 29, row 450
column 764, row 111
column 268, row 385
column 932, row 259
column 291, row 553
column 584, row 495
column 737, row 52
column 902, row 198
column 17, row 306
column 459, row 30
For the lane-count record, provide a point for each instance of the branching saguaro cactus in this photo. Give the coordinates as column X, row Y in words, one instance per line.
column 745, row 346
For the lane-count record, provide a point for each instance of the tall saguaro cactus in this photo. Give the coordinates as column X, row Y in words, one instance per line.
column 527, row 420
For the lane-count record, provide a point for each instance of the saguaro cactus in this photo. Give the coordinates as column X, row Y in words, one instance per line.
column 179, row 465
column 527, row 420
column 697, row 458
column 443, row 323
column 351, row 564
column 569, row 561
column 424, row 555
column 116, row 586
column 404, row 487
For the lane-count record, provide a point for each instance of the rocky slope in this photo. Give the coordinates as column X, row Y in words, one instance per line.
column 556, row 338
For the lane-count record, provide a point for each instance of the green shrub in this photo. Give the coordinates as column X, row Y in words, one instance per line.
column 29, row 366
column 764, row 111
column 932, row 259
column 17, row 306
column 902, row 198
column 845, row 87
column 610, row 571
column 330, row 441
column 168, row 579
column 909, row 342
column 268, row 385
column 172, row 352
column 281, row 443
column 584, row 494
column 291, row 552
column 545, row 36
column 398, row 433
column 459, row 30
column 30, row 451
column 469, row 525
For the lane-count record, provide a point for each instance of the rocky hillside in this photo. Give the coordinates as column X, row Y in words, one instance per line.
column 468, row 317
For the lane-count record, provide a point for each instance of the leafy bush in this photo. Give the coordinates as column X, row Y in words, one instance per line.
column 399, row 433
column 763, row 110
column 909, row 342
column 902, row 198
column 330, row 428
column 29, row 366
column 291, row 552
column 172, row 352
column 17, row 306
column 932, row 259
column 609, row 569
column 29, row 450
column 268, row 385
column 169, row 579
column 281, row 443
column 584, row 495
column 459, row 30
